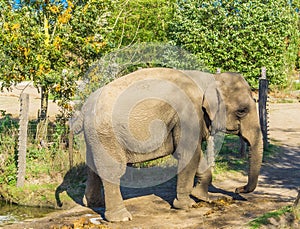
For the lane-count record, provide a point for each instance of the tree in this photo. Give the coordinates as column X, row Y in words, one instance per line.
column 240, row 36
column 50, row 43
column 141, row 21
column 53, row 43
column 34, row 44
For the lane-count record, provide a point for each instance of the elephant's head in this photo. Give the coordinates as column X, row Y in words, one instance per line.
column 242, row 119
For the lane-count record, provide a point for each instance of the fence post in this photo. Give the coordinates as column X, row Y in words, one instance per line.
column 71, row 137
column 262, row 105
column 22, row 147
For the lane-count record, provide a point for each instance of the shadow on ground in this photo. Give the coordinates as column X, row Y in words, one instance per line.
column 75, row 179
column 283, row 170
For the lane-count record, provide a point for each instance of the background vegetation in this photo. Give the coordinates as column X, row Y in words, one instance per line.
column 53, row 43
column 240, row 36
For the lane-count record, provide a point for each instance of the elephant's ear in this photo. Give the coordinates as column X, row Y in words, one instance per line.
column 211, row 101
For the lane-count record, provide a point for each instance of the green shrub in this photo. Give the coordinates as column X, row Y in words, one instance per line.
column 264, row 219
column 8, row 146
column 240, row 36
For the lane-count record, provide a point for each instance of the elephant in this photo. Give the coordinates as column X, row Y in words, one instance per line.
column 155, row 112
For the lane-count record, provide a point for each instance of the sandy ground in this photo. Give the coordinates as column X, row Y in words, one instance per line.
column 279, row 180
column 10, row 101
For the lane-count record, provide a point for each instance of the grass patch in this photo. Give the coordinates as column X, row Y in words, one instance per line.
column 285, row 100
column 47, row 191
column 46, row 166
column 166, row 161
column 264, row 219
column 30, row 195
column 272, row 151
column 230, row 158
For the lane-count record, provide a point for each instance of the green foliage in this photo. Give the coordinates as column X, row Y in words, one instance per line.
column 138, row 21
column 229, row 158
column 49, row 160
column 8, row 145
column 240, row 36
column 7, row 123
column 167, row 161
column 53, row 44
column 91, row 25
column 264, row 219
column 34, row 47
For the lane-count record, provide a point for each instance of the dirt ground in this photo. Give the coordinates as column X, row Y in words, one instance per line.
column 151, row 208
column 10, row 102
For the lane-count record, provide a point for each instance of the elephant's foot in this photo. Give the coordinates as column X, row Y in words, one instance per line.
column 183, row 202
column 244, row 189
column 201, row 193
column 119, row 215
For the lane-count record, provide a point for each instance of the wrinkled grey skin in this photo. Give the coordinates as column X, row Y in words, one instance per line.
column 110, row 148
column 242, row 120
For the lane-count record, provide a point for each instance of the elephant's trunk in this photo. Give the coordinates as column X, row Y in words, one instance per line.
column 251, row 132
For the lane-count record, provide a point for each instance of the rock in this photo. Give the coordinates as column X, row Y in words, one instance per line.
column 273, row 221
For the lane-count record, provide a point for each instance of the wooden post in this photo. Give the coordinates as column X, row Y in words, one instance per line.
column 262, row 103
column 71, row 137
column 296, row 206
column 24, row 109
column 297, row 201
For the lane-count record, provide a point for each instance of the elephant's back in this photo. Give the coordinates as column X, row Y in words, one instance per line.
column 159, row 86
column 144, row 74
column 163, row 79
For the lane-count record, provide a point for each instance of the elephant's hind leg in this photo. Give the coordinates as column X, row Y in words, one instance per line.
column 93, row 196
column 115, row 210
column 110, row 167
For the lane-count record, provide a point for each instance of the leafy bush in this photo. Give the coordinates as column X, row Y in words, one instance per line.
column 42, row 161
column 240, row 36
column 8, row 146
column 141, row 21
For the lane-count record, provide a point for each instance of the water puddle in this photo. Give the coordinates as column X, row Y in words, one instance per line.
column 11, row 213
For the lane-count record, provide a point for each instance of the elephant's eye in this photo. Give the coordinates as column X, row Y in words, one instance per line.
column 242, row 112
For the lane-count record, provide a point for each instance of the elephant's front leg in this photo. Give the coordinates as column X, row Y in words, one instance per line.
column 204, row 172
column 204, row 179
column 185, row 181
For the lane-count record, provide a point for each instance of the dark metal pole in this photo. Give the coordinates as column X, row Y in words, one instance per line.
column 262, row 106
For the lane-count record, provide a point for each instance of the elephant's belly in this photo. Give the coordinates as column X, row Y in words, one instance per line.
column 166, row 148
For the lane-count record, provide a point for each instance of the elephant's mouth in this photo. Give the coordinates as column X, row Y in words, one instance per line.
column 228, row 131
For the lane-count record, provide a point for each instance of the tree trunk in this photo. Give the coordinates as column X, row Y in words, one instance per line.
column 44, row 103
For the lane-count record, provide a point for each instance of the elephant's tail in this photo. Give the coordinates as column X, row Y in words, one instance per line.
column 76, row 123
